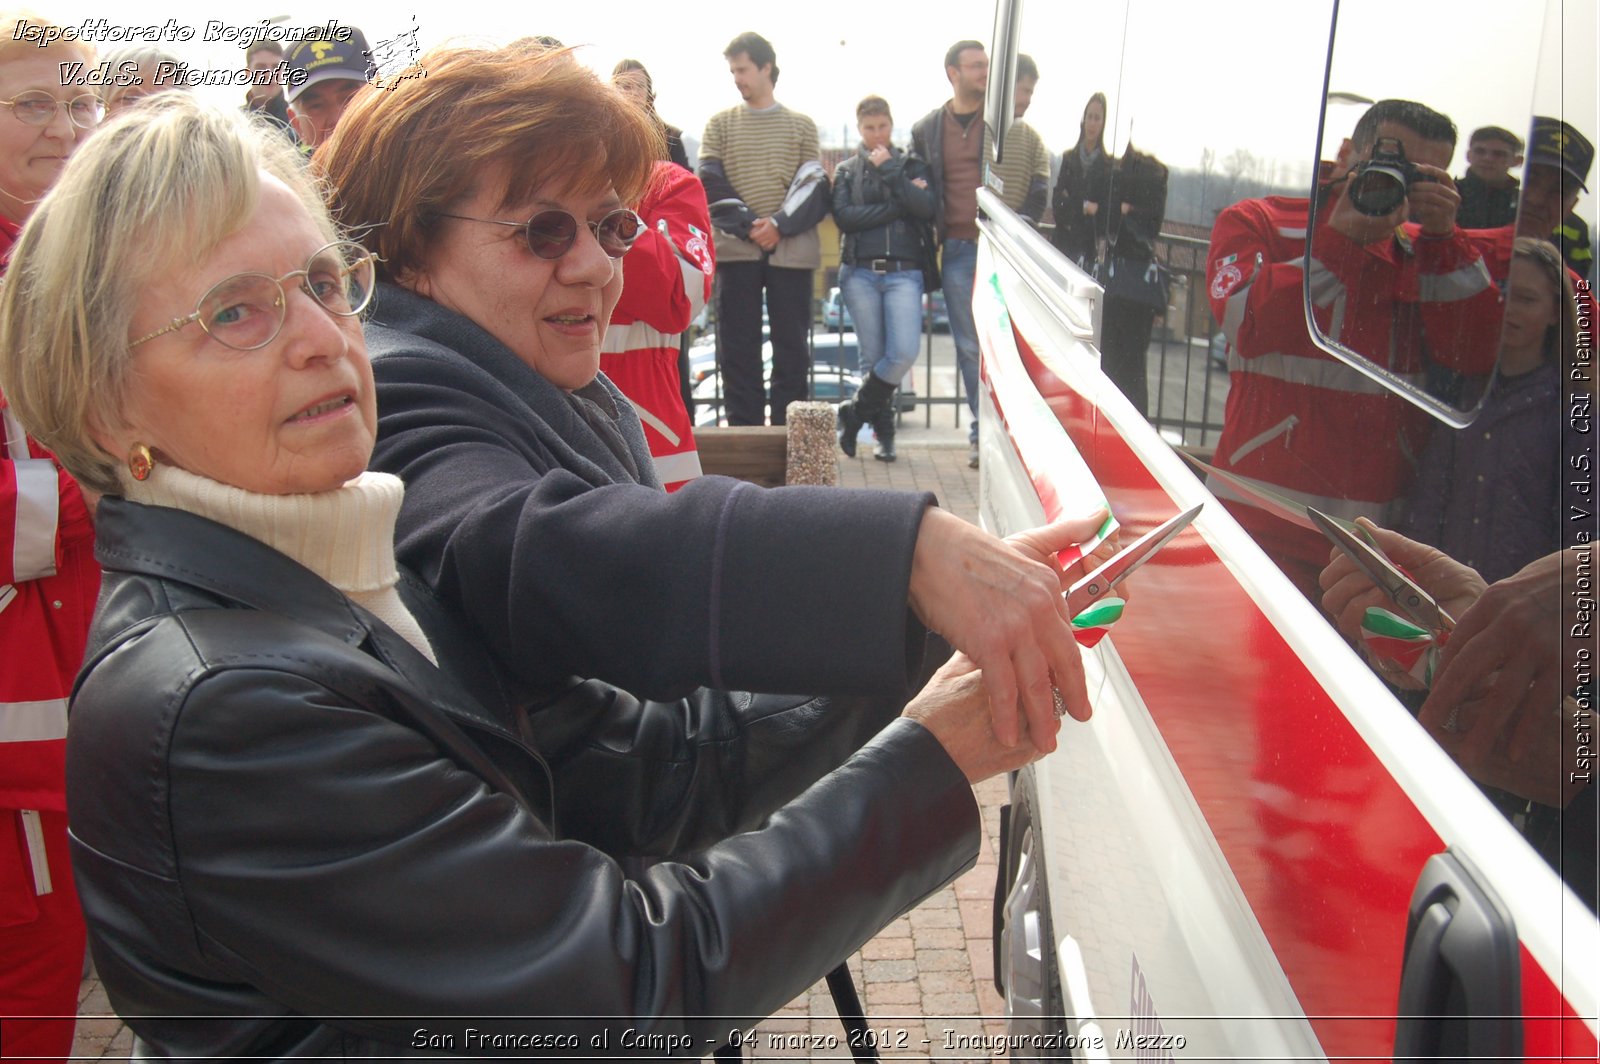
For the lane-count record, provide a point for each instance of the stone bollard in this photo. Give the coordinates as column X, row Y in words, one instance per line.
column 812, row 442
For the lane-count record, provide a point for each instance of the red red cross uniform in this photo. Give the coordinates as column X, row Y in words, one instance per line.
column 666, row 281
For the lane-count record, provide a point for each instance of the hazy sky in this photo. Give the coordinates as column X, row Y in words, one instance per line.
column 1186, row 96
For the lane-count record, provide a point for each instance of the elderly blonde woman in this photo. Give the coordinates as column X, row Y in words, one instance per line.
column 48, row 581
column 293, row 833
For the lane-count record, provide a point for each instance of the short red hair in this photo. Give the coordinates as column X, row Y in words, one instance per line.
column 405, row 152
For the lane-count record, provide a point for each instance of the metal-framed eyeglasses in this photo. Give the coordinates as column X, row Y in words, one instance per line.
column 38, row 108
column 246, row 311
column 550, row 234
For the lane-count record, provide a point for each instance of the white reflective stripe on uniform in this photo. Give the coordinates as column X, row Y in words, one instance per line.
column 1328, row 291
column 27, row 722
column 635, row 336
column 672, row 468
column 1292, row 234
column 33, row 545
column 656, row 423
column 1460, row 284
column 1314, row 372
column 7, row 593
column 16, row 439
column 1233, row 313
column 38, row 857
column 33, row 550
column 1325, row 284
column 694, row 286
column 1344, row 509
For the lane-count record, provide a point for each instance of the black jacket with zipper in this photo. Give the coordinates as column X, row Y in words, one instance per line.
column 294, row 837
column 879, row 209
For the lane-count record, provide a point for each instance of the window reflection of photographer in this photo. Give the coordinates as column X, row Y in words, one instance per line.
column 1301, row 422
column 1136, row 288
column 1496, row 703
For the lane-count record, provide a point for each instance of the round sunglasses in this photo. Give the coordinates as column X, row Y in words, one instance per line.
column 550, row 234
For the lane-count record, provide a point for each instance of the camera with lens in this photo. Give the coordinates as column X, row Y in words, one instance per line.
column 1378, row 185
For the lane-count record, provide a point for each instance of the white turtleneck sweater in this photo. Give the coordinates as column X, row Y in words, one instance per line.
column 345, row 536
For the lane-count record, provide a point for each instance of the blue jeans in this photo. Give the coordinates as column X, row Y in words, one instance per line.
column 887, row 311
column 958, row 267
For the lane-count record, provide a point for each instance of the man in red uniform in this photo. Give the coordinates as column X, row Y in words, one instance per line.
column 667, row 279
column 1299, row 421
column 48, row 583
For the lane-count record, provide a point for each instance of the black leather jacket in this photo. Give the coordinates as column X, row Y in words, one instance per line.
column 292, row 830
column 878, row 209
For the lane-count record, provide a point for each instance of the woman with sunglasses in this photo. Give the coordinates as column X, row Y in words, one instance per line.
column 294, row 835
column 48, row 583
column 496, row 191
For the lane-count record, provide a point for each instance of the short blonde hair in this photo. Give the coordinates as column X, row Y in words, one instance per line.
column 12, row 29
column 157, row 189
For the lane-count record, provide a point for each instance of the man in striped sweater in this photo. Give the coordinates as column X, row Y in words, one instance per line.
column 767, row 192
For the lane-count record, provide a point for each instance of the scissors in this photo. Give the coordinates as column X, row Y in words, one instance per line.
column 1100, row 583
column 1404, row 592
column 1104, row 580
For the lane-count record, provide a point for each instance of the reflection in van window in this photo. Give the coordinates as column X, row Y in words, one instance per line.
column 1391, row 278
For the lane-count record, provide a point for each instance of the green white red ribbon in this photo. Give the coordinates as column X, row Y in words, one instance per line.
column 1067, row 555
column 1091, row 626
column 1393, row 638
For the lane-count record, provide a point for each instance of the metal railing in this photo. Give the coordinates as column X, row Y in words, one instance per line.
column 840, row 378
column 1188, row 381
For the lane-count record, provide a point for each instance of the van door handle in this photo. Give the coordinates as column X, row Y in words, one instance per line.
column 1460, row 983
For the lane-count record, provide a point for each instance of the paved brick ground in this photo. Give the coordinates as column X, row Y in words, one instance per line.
column 926, row 979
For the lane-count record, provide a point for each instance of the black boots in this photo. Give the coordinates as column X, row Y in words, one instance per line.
column 849, row 425
column 883, row 425
column 873, row 405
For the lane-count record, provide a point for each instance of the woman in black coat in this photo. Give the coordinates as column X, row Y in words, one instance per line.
column 1082, row 187
column 1133, row 296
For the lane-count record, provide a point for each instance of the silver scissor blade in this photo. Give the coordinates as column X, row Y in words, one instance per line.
column 1103, row 580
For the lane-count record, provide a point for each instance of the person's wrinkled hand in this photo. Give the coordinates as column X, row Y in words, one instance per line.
column 1091, row 208
column 1499, row 681
column 920, row 182
column 1000, row 602
column 1434, row 202
column 954, row 706
column 1544, row 773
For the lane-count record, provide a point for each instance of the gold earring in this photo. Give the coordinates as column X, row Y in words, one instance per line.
column 140, row 462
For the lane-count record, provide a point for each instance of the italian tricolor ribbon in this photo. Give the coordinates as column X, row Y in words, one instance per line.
column 1091, row 626
column 1393, row 638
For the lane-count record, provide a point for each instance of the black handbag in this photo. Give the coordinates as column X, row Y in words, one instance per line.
column 1148, row 284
